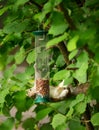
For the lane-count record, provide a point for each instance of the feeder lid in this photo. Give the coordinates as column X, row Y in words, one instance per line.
column 40, row 99
column 39, row 32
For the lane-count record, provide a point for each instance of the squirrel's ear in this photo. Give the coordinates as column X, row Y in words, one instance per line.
column 61, row 84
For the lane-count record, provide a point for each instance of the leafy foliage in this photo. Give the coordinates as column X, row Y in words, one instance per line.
column 72, row 23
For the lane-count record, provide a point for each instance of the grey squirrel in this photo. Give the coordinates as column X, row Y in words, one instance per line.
column 60, row 92
column 56, row 93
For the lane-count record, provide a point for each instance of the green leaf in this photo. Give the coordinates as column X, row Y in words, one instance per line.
column 95, row 92
column 62, row 74
column 58, row 120
column 60, row 61
column 62, row 127
column 46, row 127
column 28, row 124
column 3, row 10
column 61, row 106
column 80, row 107
column 9, row 72
column 21, row 2
column 3, row 94
column 69, row 114
column 7, row 124
column 97, row 55
column 20, row 56
column 30, row 70
column 95, row 119
column 18, row 115
column 15, row 88
column 31, row 57
column 23, row 76
column 57, row 2
column 20, row 100
column 47, row 7
column 16, row 26
column 83, row 57
column 76, row 125
column 68, row 80
column 3, row 59
column 42, row 113
column 95, row 77
column 82, row 63
column 73, row 54
column 72, row 44
column 79, row 98
column 81, row 73
column 58, row 25
column 57, row 40
column 57, row 104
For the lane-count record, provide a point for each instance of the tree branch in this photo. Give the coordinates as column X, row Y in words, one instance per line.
column 36, row 4
column 64, row 52
column 67, row 17
column 72, row 26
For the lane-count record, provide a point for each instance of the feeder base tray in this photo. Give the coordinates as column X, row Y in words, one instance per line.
column 40, row 99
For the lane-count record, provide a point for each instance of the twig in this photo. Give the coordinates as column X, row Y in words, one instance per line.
column 87, row 116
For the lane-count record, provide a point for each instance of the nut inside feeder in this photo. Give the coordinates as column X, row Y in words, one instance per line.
column 41, row 67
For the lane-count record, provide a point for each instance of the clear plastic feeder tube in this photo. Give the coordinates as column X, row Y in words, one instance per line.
column 41, row 66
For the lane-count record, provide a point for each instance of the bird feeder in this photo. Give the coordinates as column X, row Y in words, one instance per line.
column 41, row 67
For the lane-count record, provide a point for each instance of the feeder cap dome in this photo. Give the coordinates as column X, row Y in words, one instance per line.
column 40, row 32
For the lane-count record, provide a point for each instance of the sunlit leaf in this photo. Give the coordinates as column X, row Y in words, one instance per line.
column 72, row 44
column 60, row 61
column 73, row 54
column 3, row 94
column 62, row 127
column 60, row 75
column 58, row 120
column 69, row 114
column 79, row 98
column 82, row 63
column 68, row 80
column 80, row 107
column 57, row 40
column 20, row 56
column 95, row 119
column 31, row 57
